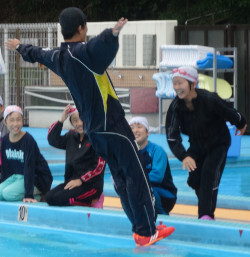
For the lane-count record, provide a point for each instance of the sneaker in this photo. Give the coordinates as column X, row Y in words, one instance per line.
column 161, row 226
column 206, row 217
column 99, row 203
column 149, row 240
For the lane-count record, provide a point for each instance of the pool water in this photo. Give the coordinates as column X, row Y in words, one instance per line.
column 79, row 231
column 21, row 240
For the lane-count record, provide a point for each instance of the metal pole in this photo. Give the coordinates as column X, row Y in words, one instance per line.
column 6, row 75
column 235, row 79
column 160, row 115
column 18, row 77
column 215, row 71
column 50, row 45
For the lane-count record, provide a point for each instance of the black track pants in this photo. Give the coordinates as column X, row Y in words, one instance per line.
column 206, row 178
column 119, row 150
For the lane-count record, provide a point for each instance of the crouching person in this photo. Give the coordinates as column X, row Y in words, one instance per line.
column 157, row 166
column 25, row 173
column 84, row 169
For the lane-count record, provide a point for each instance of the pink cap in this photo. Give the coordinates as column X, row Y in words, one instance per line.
column 12, row 108
column 72, row 110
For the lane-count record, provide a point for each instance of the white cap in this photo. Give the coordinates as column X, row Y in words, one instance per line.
column 1, row 100
column 12, row 108
column 187, row 72
column 140, row 120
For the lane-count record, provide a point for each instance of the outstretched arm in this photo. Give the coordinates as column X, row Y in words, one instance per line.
column 102, row 49
column 11, row 44
column 32, row 53
column 118, row 26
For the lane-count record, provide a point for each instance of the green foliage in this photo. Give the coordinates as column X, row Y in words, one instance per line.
column 209, row 12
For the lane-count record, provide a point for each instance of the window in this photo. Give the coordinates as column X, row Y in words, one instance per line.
column 129, row 50
column 149, row 50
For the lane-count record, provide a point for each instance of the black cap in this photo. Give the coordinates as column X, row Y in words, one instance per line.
column 70, row 19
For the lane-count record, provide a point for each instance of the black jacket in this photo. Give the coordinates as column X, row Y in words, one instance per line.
column 82, row 162
column 82, row 67
column 205, row 126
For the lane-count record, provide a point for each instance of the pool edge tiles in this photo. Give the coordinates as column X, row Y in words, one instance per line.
column 112, row 222
column 70, row 218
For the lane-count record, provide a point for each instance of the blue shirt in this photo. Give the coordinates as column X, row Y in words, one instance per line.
column 157, row 165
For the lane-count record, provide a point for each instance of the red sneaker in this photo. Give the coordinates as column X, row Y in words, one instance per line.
column 161, row 226
column 149, row 240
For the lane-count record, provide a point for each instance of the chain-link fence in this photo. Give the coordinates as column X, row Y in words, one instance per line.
column 21, row 74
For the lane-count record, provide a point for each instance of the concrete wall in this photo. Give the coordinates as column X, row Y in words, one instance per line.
column 137, row 76
column 163, row 29
column 44, row 118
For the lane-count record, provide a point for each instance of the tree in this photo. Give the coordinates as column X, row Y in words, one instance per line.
column 209, row 12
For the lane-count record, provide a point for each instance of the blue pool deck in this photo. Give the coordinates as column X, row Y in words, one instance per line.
column 234, row 191
column 81, row 231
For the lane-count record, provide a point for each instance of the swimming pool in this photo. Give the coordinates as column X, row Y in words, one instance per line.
column 34, row 241
column 79, row 231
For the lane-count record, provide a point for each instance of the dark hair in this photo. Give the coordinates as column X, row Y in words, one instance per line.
column 70, row 119
column 70, row 19
column 190, row 83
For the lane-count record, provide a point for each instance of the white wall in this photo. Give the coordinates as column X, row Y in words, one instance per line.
column 164, row 31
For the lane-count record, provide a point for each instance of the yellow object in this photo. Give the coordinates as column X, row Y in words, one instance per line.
column 224, row 89
column 189, row 210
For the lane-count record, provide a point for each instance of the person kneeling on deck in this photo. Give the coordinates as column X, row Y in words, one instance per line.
column 157, row 166
column 25, row 173
column 84, row 169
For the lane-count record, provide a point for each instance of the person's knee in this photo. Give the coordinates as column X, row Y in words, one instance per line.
column 11, row 196
column 193, row 182
column 1, row 196
column 56, row 199
column 49, row 198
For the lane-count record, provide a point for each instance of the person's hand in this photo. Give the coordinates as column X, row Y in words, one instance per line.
column 11, row 44
column 242, row 131
column 29, row 200
column 118, row 26
column 73, row 183
column 65, row 113
column 189, row 164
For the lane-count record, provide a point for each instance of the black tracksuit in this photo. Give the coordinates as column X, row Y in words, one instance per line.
column 82, row 162
column 209, row 140
column 83, row 69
